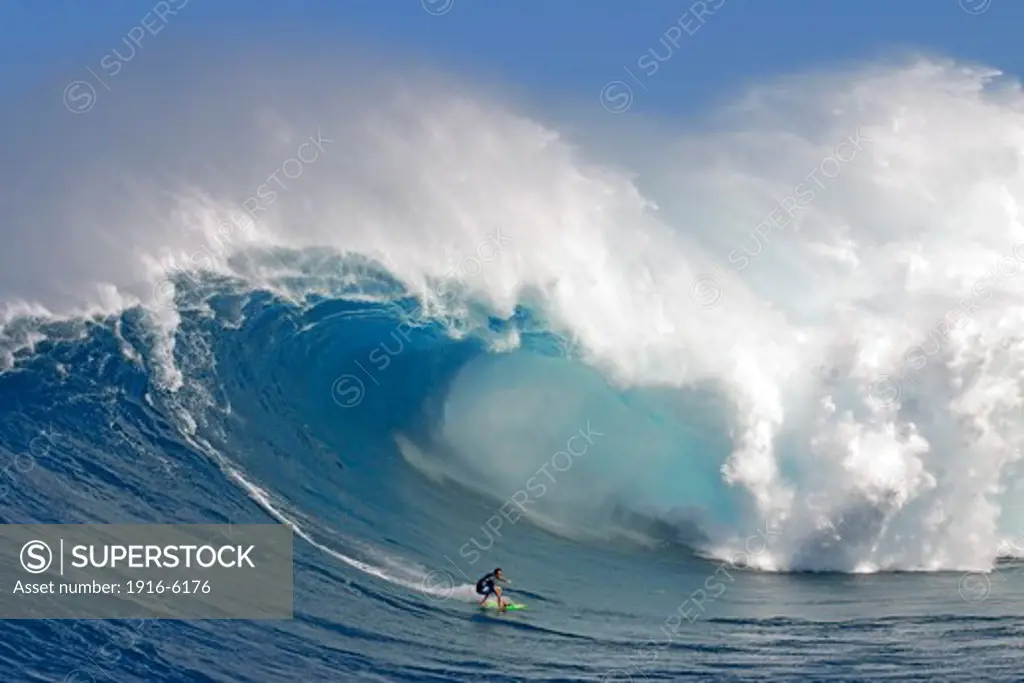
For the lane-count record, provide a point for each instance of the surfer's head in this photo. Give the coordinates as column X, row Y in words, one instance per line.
column 497, row 572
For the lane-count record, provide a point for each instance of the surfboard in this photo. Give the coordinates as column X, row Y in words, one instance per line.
column 511, row 607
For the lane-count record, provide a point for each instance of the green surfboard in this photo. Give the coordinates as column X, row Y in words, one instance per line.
column 511, row 607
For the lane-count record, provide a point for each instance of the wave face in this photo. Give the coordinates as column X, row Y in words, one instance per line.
column 445, row 336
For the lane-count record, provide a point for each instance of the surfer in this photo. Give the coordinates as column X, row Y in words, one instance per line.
column 486, row 587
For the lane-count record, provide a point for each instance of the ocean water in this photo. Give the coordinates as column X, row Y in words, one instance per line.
column 461, row 339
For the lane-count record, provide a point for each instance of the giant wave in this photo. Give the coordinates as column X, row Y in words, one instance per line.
column 806, row 315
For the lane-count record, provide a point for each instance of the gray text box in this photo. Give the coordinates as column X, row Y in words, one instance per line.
column 145, row 571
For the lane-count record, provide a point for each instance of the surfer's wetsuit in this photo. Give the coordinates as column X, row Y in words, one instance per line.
column 485, row 586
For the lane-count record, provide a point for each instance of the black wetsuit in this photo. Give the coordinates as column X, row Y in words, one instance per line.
column 485, row 586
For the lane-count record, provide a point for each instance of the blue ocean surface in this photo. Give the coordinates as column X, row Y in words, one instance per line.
column 298, row 413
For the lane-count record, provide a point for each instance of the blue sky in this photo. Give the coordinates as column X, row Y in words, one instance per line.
column 573, row 47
